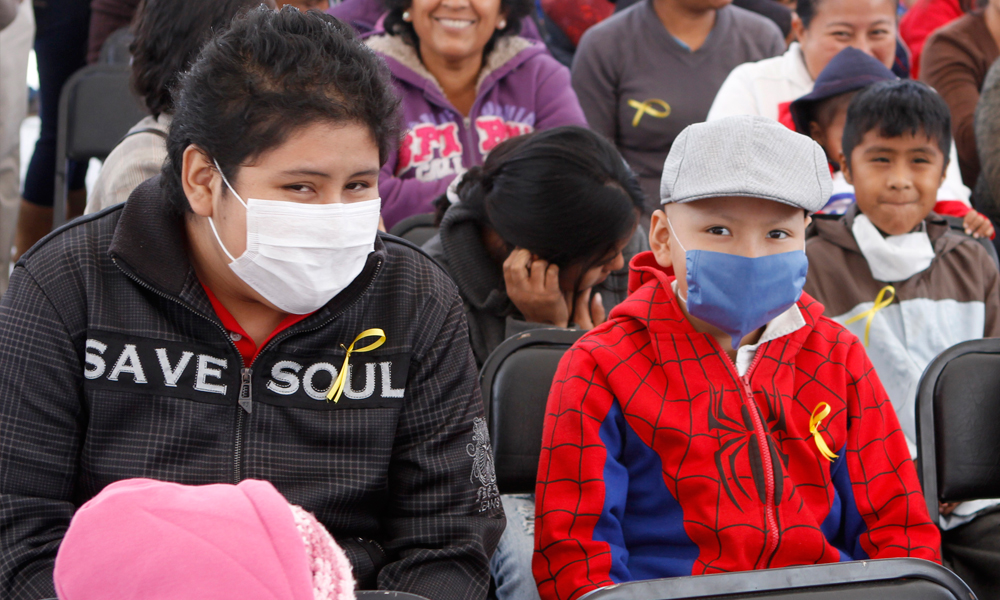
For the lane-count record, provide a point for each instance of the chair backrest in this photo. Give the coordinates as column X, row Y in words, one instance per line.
column 884, row 579
column 114, row 50
column 96, row 110
column 416, row 229
column 958, row 424
column 515, row 380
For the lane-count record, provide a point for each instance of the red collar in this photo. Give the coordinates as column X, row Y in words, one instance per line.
column 244, row 343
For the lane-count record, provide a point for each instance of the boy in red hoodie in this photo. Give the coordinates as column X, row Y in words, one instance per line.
column 717, row 421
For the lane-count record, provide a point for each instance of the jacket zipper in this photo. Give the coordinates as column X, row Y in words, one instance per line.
column 770, row 518
column 246, row 374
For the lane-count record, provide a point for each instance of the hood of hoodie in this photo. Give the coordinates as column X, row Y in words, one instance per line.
column 508, row 53
column 479, row 278
column 652, row 302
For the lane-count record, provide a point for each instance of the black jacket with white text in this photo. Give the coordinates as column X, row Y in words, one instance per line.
column 114, row 365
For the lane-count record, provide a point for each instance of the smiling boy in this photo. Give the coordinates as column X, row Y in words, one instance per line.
column 903, row 280
column 714, row 422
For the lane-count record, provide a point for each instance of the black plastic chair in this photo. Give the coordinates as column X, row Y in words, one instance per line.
column 416, row 229
column 515, row 381
column 958, row 424
column 886, row 579
column 96, row 110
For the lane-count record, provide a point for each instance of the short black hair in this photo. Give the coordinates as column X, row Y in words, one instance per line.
column 895, row 108
column 823, row 111
column 807, row 9
column 168, row 36
column 565, row 194
column 270, row 74
column 514, row 11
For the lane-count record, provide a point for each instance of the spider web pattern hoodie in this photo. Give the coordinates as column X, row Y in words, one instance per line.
column 659, row 460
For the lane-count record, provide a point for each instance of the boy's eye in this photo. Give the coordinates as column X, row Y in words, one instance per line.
column 718, row 230
column 879, row 32
column 880, row 159
column 920, row 160
column 843, row 35
column 356, row 186
column 777, row 234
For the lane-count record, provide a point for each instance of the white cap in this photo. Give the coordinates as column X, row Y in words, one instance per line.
column 749, row 156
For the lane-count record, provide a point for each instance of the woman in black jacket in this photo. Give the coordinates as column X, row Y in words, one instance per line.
column 240, row 318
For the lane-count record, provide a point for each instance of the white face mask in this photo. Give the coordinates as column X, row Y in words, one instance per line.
column 299, row 256
column 893, row 258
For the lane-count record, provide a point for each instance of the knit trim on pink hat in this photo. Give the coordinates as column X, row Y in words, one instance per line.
column 331, row 571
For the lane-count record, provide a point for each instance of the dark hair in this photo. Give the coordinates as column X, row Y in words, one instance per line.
column 565, row 194
column 895, row 108
column 823, row 111
column 807, row 9
column 514, row 11
column 168, row 36
column 272, row 73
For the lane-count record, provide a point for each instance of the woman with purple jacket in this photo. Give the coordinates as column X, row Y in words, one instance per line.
column 468, row 82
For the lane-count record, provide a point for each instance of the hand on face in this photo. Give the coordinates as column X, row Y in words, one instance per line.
column 895, row 179
column 454, row 30
column 589, row 310
column 533, row 287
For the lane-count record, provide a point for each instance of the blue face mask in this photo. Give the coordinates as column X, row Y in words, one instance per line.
column 739, row 294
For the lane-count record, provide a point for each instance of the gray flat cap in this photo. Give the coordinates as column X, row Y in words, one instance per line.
column 750, row 156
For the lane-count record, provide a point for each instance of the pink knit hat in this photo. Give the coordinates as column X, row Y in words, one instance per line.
column 151, row 540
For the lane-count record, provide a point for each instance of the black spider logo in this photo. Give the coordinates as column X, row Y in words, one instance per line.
column 739, row 436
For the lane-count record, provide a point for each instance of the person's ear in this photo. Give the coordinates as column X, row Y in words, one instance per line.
column 845, row 168
column 659, row 238
column 798, row 28
column 198, row 178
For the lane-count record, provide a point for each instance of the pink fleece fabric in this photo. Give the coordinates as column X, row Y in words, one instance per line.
column 150, row 540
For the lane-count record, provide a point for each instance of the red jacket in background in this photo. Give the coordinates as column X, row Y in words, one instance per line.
column 574, row 17
column 921, row 20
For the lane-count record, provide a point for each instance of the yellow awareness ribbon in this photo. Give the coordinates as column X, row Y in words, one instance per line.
column 819, row 413
column 647, row 108
column 338, row 385
column 880, row 302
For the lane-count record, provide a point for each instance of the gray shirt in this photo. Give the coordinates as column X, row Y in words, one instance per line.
column 639, row 86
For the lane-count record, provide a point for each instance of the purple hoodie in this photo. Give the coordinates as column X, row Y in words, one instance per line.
column 521, row 89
